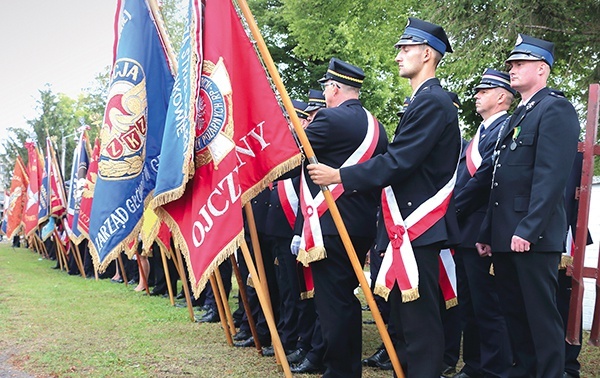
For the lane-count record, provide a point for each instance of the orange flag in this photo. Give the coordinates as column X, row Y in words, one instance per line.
column 18, row 196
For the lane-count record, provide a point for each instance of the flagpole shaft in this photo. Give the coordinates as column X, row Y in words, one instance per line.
column 167, row 275
column 220, row 308
column 160, row 25
column 186, row 289
column 244, row 297
column 335, row 214
column 269, row 317
column 260, row 265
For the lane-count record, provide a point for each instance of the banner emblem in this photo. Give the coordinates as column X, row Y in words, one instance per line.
column 123, row 137
column 214, row 130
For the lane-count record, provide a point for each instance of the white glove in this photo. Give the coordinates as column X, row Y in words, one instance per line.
column 295, row 245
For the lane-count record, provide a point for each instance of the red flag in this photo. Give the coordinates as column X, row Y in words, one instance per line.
column 18, row 196
column 58, row 198
column 242, row 143
column 85, row 209
column 30, row 214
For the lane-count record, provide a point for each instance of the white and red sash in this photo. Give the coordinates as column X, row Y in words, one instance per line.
column 289, row 200
column 311, row 244
column 289, row 204
column 447, row 277
column 399, row 263
column 472, row 155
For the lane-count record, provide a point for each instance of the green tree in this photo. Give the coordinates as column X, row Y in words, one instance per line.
column 483, row 33
column 302, row 37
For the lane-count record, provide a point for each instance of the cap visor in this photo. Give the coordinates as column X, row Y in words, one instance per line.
column 521, row 56
column 485, row 86
column 311, row 108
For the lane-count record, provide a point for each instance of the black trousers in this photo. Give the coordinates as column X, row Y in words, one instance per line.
column 486, row 345
column 527, row 286
column 420, row 341
column 338, row 308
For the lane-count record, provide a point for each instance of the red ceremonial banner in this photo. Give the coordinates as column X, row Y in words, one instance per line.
column 243, row 142
column 85, row 208
column 30, row 214
column 18, row 196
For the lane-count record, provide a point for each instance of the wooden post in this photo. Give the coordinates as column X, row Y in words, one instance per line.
column 245, row 303
column 587, row 171
column 122, row 268
column 77, row 257
column 335, row 214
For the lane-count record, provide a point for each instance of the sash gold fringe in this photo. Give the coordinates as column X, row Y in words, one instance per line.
column 276, row 172
column 315, row 254
column 307, row 294
column 410, row 294
column 451, row 303
column 382, row 290
column 565, row 261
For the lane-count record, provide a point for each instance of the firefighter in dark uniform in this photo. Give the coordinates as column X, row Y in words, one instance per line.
column 420, row 162
column 525, row 225
column 486, row 346
column 335, row 134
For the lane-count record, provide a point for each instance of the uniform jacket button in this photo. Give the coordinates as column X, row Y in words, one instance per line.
column 409, row 203
column 496, row 184
column 496, row 203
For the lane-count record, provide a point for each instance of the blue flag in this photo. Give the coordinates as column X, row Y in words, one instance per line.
column 81, row 162
column 132, row 130
column 180, row 125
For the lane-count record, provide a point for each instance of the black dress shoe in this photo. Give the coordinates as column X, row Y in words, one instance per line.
column 296, row 356
column 379, row 356
column 249, row 342
column 569, row 375
column 119, row 280
column 386, row 365
column 132, row 282
column 461, row 374
column 268, row 351
column 155, row 293
column 307, row 367
column 241, row 335
column 211, row 316
column 448, row 371
column 181, row 295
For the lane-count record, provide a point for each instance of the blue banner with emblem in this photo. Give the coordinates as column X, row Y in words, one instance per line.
column 81, row 162
column 180, row 126
column 132, row 130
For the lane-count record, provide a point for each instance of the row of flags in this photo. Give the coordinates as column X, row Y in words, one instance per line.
column 185, row 143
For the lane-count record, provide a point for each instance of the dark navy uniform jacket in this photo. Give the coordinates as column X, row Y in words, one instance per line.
column 420, row 160
column 530, row 175
column 471, row 194
column 335, row 133
column 277, row 223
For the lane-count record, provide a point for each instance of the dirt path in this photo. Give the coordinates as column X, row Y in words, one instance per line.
column 7, row 370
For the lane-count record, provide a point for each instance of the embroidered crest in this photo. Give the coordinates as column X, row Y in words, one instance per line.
column 124, row 130
column 214, row 120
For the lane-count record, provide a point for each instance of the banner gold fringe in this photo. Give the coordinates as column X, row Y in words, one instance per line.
column 275, row 173
column 315, row 254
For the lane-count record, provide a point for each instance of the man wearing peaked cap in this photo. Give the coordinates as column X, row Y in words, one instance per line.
column 525, row 225
column 341, row 134
column 343, row 72
column 419, row 32
column 486, row 345
column 300, row 107
column 416, row 174
column 316, row 100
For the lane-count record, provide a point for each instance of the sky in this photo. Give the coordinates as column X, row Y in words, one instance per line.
column 64, row 43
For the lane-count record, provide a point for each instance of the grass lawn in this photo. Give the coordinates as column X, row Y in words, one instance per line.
column 56, row 325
